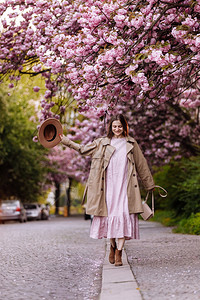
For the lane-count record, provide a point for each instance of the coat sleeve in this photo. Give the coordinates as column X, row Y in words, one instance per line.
column 84, row 150
column 142, row 168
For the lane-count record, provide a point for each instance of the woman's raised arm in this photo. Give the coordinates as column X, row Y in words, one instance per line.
column 88, row 149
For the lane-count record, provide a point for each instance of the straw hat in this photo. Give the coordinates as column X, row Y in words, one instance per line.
column 49, row 131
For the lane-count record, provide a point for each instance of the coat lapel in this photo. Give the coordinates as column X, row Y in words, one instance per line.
column 109, row 150
column 129, row 145
column 129, row 148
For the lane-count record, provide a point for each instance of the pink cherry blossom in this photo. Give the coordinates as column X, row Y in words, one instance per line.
column 11, row 85
column 36, row 88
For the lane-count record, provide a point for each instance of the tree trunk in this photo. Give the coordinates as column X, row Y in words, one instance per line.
column 69, row 196
column 57, row 197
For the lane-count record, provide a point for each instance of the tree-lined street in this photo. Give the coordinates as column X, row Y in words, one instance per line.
column 83, row 62
column 88, row 61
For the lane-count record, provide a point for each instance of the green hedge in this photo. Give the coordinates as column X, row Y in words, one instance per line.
column 189, row 226
column 181, row 208
column 182, row 181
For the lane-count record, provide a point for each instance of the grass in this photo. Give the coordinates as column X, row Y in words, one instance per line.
column 189, row 225
column 167, row 218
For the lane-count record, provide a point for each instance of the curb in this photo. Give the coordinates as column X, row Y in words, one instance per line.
column 118, row 282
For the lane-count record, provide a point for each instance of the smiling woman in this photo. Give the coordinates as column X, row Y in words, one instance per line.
column 113, row 195
column 117, row 129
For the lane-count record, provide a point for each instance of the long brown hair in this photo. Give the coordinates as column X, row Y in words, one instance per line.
column 120, row 118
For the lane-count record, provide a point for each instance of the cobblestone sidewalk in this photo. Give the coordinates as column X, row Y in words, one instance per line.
column 166, row 265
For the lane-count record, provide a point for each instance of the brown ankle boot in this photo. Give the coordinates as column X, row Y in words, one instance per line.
column 118, row 257
column 112, row 254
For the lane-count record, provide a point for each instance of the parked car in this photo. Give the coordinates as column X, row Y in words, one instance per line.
column 33, row 211
column 12, row 210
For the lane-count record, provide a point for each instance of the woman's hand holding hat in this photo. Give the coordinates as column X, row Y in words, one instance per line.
column 64, row 140
column 67, row 142
column 61, row 137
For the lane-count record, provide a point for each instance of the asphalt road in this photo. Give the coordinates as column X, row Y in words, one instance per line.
column 52, row 259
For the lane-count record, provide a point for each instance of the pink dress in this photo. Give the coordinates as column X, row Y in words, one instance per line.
column 119, row 223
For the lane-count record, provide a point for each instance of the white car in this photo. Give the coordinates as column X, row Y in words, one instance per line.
column 12, row 210
column 33, row 211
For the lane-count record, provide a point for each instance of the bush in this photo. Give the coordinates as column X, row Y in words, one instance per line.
column 189, row 226
column 22, row 162
column 182, row 181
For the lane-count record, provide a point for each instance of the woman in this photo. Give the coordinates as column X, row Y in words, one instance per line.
column 113, row 194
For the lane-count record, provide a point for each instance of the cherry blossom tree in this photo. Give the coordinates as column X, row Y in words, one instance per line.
column 165, row 133
column 104, row 52
column 138, row 57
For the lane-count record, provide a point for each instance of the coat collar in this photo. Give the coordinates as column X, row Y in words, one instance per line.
column 130, row 139
column 106, row 140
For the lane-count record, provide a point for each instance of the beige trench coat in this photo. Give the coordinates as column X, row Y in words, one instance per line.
column 101, row 152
